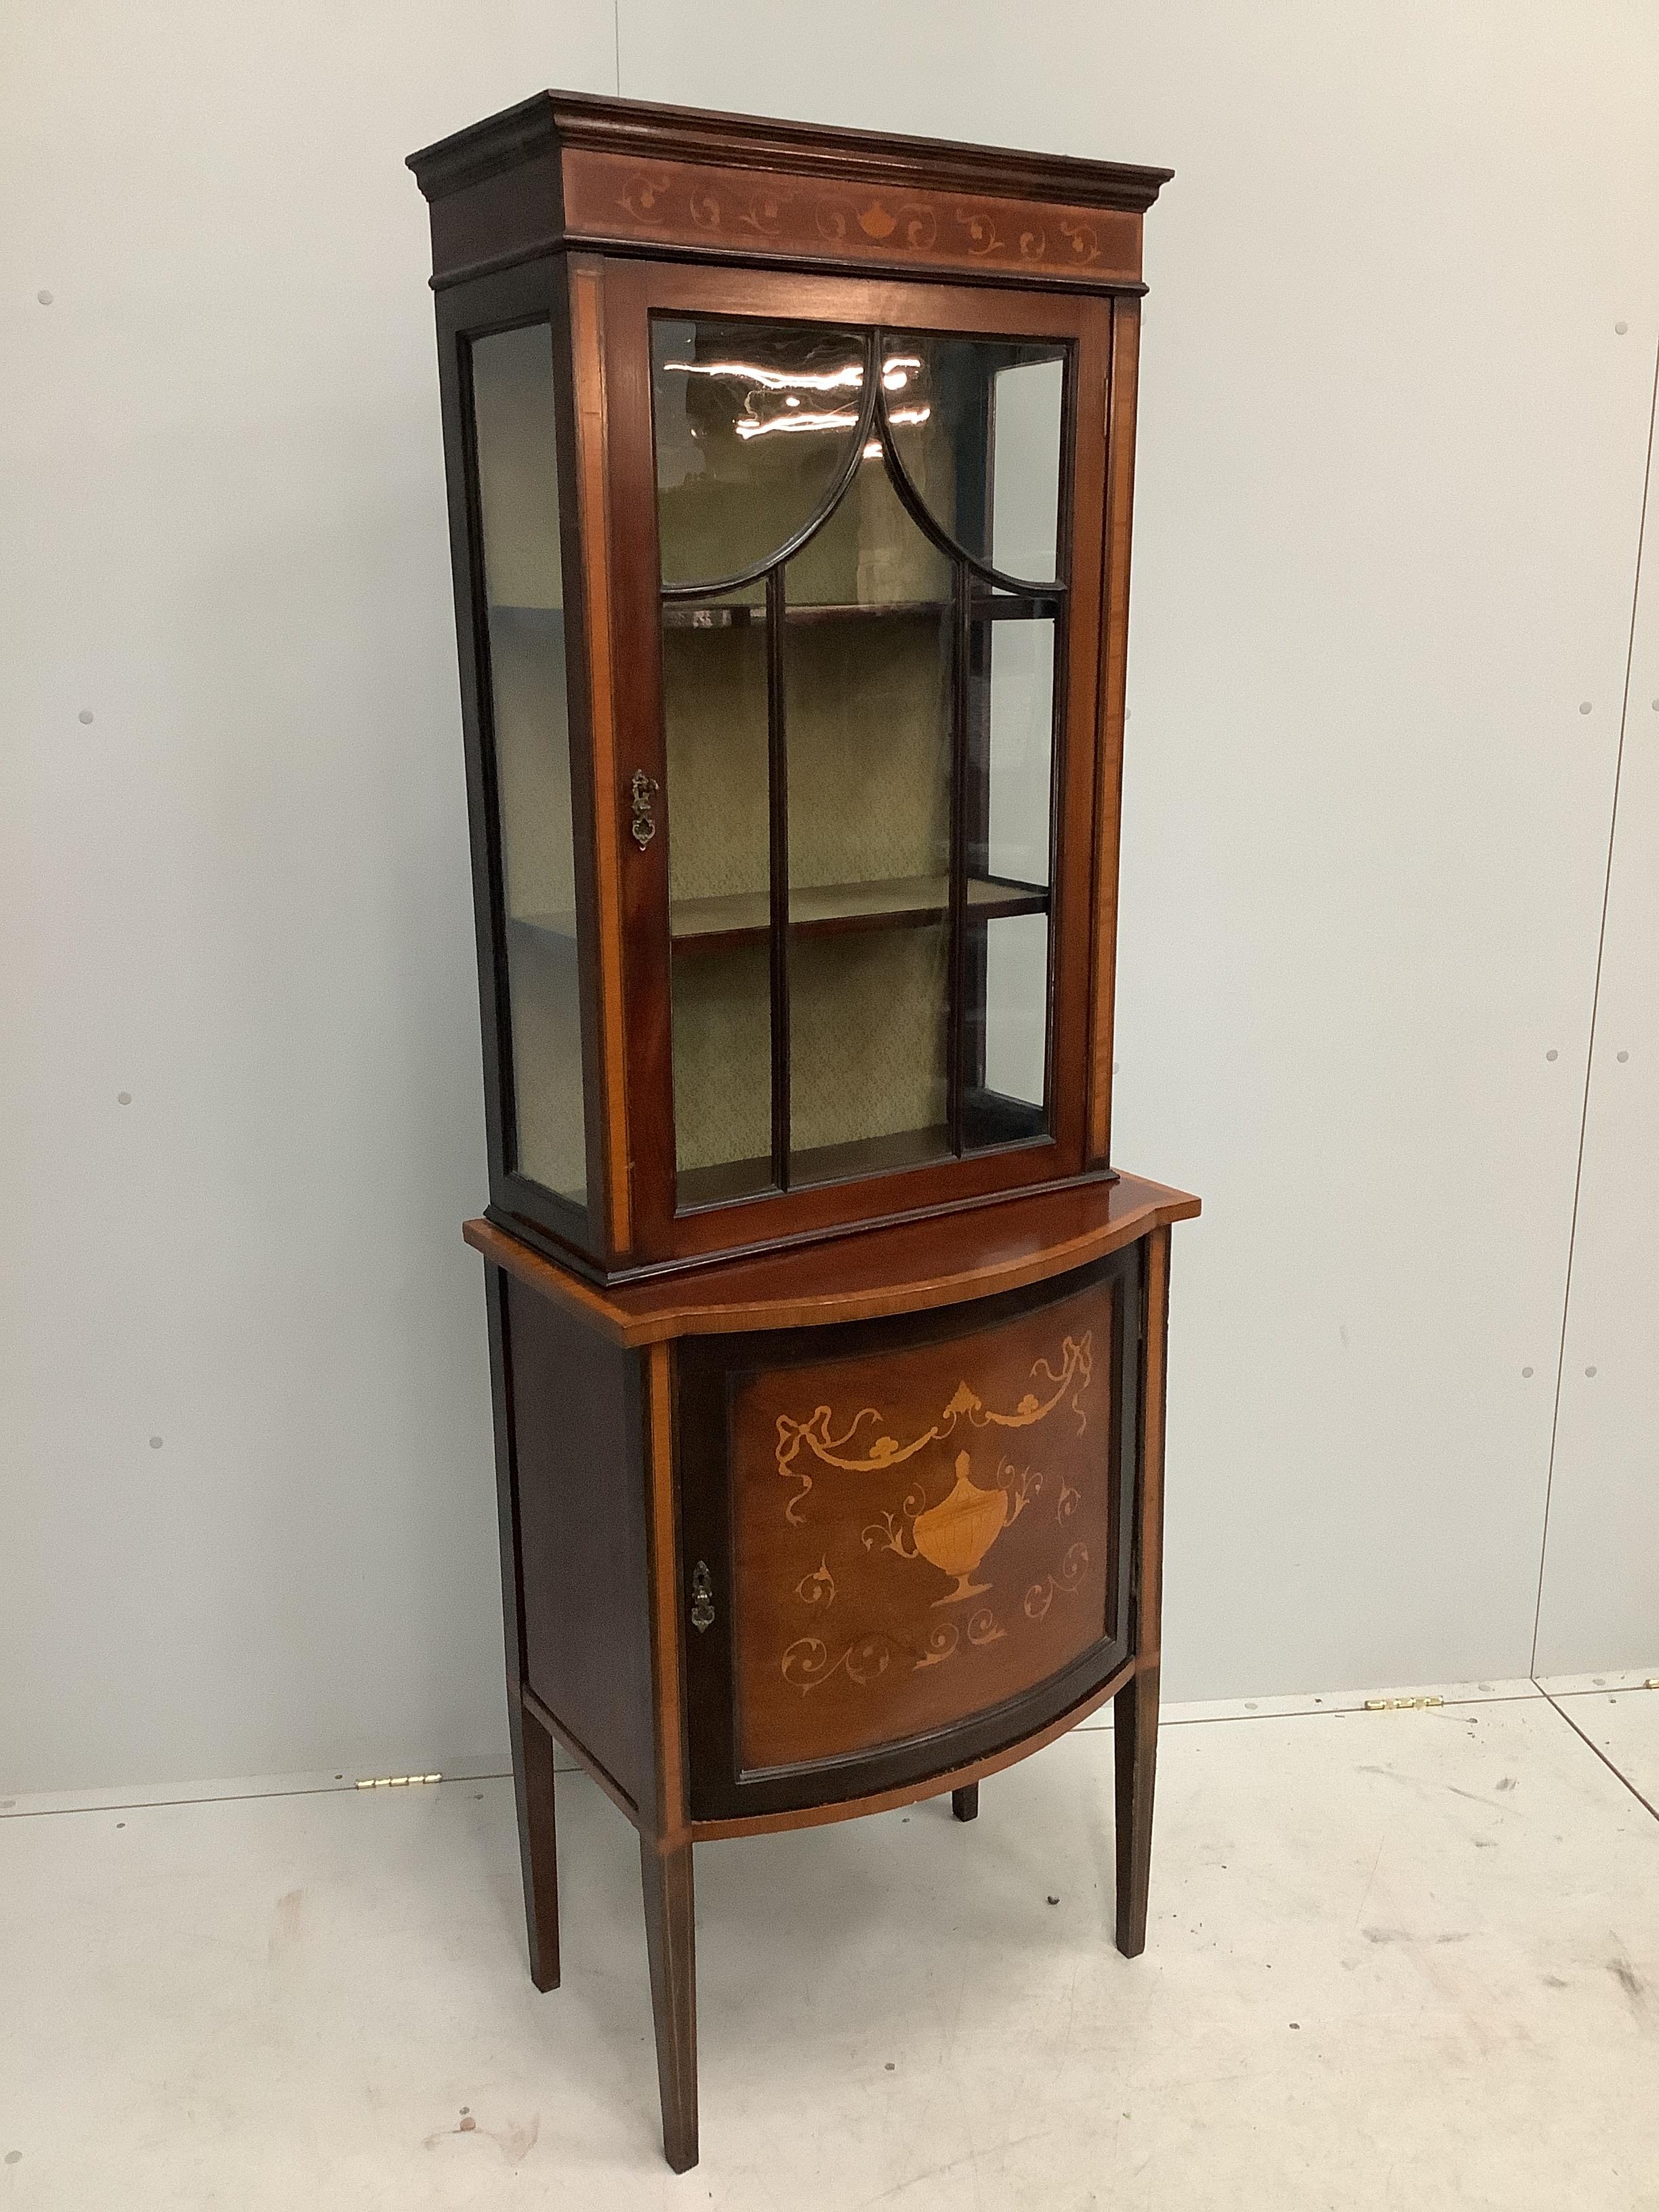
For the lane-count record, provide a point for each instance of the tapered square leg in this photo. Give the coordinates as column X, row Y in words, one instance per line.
column 539, row 1856
column 1135, row 1744
column 671, row 1941
column 964, row 1803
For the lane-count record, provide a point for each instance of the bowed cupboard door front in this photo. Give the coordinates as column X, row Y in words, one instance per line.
column 906, row 1543
column 856, row 606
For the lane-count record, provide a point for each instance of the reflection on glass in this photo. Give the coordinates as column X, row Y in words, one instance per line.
column 519, row 510
column 754, row 423
column 977, row 425
column 718, row 892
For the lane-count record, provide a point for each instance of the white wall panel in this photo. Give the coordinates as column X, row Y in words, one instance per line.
column 240, row 895
column 1599, row 1608
column 1388, row 492
column 1387, row 515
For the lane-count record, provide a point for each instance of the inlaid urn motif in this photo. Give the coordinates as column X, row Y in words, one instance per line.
column 955, row 1535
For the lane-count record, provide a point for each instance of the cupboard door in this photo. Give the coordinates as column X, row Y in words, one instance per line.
column 877, row 618
column 918, row 1549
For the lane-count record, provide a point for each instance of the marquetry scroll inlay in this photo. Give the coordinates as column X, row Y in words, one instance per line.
column 639, row 194
column 954, row 1537
column 922, row 1562
column 683, row 202
column 817, row 1432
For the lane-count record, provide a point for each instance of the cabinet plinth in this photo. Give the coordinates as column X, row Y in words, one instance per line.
column 790, row 478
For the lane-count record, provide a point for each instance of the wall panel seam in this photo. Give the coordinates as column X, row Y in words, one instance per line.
column 1595, row 1001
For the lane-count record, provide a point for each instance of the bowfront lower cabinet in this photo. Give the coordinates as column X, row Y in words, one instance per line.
column 790, row 477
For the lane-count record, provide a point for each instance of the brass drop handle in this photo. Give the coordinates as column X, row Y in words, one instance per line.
column 702, row 1596
column 644, row 826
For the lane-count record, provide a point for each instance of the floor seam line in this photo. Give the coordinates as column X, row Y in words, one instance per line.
column 1323, row 1712
column 230, row 1798
column 1650, row 1809
column 505, row 1773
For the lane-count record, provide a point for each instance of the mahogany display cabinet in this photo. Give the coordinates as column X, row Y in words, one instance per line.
column 790, row 479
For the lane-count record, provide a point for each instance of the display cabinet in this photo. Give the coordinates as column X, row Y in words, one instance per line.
column 790, row 476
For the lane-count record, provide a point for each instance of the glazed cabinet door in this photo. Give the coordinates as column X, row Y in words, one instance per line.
column 857, row 558
column 905, row 1544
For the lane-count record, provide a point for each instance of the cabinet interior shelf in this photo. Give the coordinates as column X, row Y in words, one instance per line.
column 684, row 614
column 743, row 614
column 720, row 925
column 992, row 1118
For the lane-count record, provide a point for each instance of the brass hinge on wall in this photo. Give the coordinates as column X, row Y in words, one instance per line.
column 394, row 1781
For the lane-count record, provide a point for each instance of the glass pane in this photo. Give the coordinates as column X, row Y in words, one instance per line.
column 1005, row 967
column 719, row 895
column 754, row 421
column 867, row 659
column 867, row 1051
column 1018, row 705
column 722, row 1071
column 868, row 556
column 977, row 425
column 519, row 508
column 1006, row 1030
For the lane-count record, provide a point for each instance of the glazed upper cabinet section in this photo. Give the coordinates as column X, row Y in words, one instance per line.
column 790, row 475
column 865, row 566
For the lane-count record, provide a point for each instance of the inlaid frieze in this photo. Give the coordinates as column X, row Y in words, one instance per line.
column 742, row 212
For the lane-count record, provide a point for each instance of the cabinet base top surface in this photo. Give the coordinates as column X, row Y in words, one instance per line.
column 906, row 1268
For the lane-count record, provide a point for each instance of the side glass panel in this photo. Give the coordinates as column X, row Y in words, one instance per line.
column 523, row 583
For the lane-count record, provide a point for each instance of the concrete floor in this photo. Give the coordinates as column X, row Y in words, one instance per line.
column 1403, row 1959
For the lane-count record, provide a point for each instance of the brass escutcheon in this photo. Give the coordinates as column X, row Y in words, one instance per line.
column 644, row 826
column 702, row 1596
